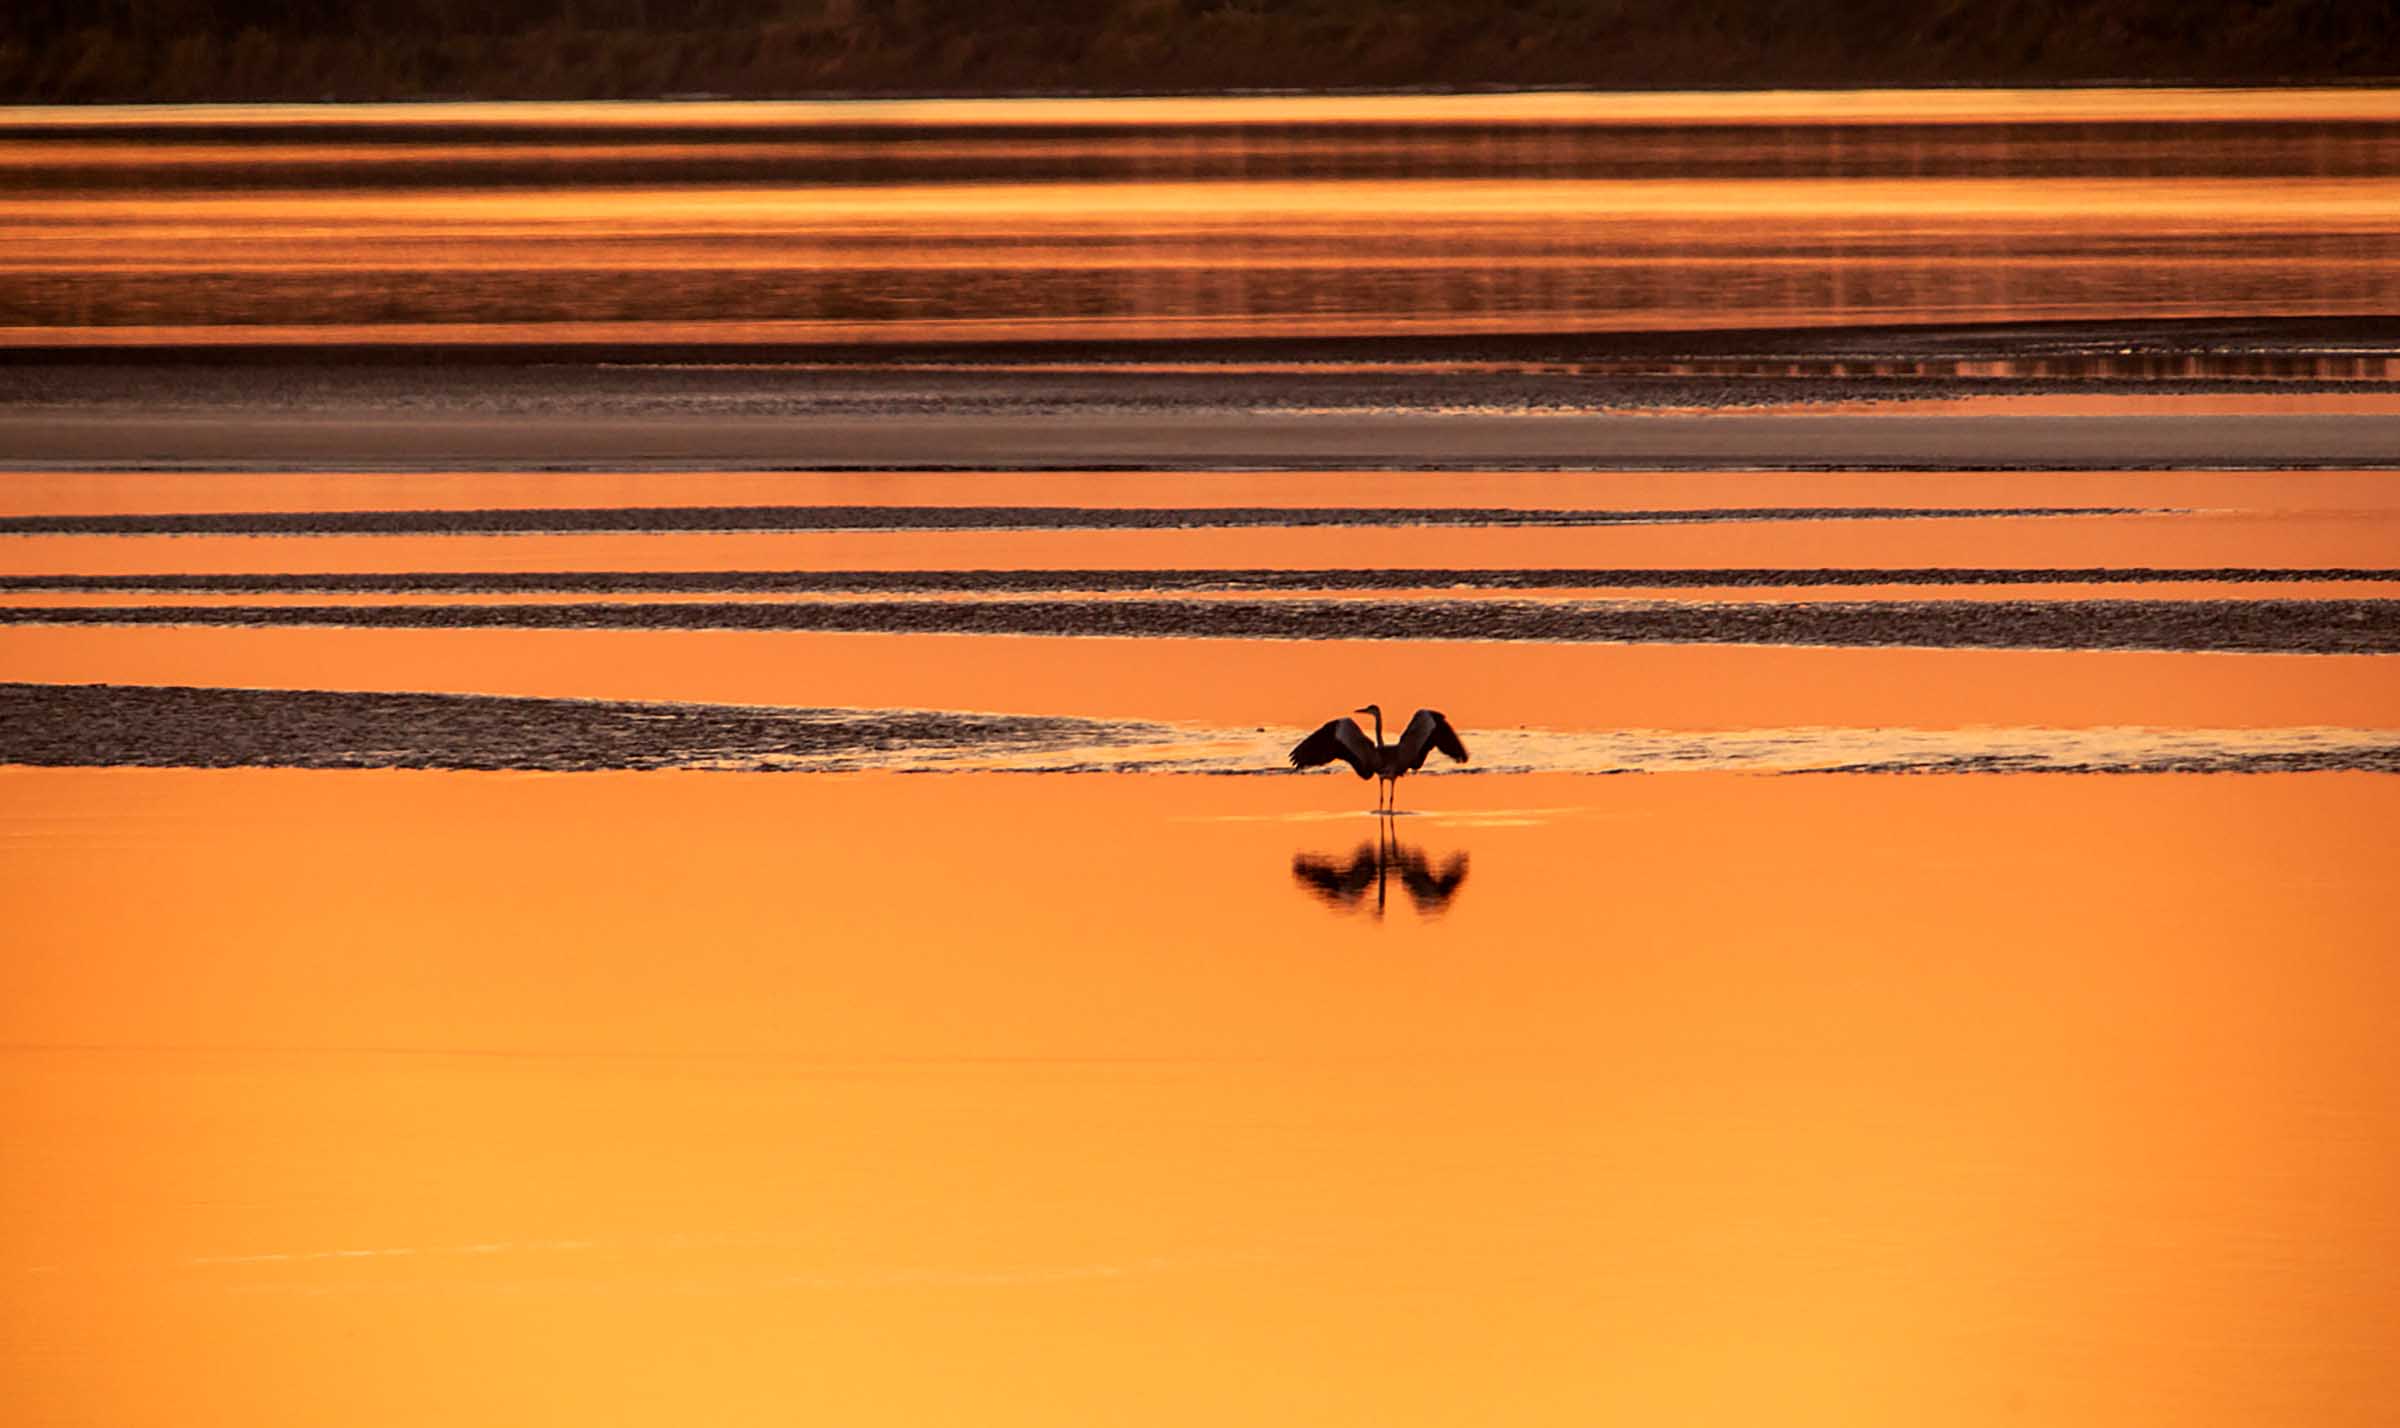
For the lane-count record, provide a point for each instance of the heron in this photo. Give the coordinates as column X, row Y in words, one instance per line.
column 1343, row 739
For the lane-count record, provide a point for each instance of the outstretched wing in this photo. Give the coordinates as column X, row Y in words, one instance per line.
column 1339, row 739
column 1431, row 891
column 1341, row 884
column 1429, row 730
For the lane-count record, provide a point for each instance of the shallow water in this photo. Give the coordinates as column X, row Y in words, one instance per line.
column 1861, row 1100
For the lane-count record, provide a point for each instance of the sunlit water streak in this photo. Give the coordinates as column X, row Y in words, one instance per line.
column 811, row 518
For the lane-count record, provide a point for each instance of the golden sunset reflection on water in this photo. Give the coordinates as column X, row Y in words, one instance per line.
column 646, row 1097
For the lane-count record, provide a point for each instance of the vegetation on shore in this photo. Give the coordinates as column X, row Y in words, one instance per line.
column 188, row 50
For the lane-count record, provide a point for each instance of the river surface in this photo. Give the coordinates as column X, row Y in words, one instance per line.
column 564, row 863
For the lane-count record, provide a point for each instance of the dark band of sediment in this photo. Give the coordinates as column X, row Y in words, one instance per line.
column 105, row 725
column 613, row 582
column 2231, row 626
column 959, row 518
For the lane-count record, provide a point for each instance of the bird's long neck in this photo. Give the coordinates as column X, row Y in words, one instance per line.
column 1379, row 728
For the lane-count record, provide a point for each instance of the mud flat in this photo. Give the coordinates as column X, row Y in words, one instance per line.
column 50, row 724
column 1781, row 399
column 2230, row 626
column 376, row 439
column 617, row 582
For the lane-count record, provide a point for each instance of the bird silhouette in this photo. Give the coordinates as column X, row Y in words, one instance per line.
column 1343, row 739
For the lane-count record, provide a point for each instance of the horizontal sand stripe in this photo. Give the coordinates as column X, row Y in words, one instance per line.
column 2230, row 626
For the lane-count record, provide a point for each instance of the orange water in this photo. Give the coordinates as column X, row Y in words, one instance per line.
column 403, row 1098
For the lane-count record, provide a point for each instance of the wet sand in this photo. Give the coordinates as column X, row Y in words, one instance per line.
column 2251, row 626
column 103, row 725
column 136, row 440
column 1020, row 582
column 1576, row 401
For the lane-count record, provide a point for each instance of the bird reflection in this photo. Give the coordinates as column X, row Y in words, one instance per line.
column 1346, row 884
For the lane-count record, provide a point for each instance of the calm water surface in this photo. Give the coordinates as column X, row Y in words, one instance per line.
column 400, row 1099
column 1257, row 217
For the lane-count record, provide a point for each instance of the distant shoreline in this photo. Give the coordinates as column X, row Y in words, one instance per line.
column 75, row 51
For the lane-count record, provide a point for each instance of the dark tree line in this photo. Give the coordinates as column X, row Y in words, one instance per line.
column 90, row 50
